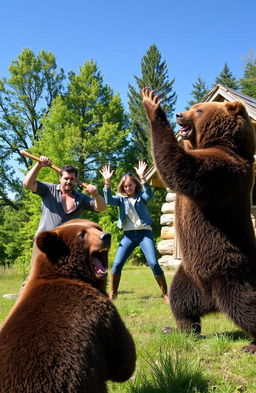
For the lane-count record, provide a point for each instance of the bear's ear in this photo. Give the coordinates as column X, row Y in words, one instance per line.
column 47, row 241
column 236, row 108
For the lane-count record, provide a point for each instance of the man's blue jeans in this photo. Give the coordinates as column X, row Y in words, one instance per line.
column 132, row 239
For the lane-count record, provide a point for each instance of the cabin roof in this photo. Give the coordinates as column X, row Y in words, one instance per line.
column 222, row 93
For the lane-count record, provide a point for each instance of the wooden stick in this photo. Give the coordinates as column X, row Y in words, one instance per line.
column 55, row 168
column 35, row 158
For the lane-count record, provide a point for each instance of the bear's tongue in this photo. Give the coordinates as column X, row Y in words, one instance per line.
column 184, row 129
column 183, row 132
column 98, row 267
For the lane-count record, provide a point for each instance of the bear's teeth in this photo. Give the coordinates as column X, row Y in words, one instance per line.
column 98, row 267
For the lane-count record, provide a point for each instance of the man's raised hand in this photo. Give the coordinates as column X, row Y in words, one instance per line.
column 45, row 161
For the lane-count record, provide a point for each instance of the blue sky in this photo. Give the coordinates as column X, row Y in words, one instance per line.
column 194, row 37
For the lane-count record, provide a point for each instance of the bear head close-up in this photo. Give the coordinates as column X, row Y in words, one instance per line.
column 77, row 250
column 210, row 123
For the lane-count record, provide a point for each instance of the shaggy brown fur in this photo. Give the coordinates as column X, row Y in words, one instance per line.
column 63, row 334
column 213, row 178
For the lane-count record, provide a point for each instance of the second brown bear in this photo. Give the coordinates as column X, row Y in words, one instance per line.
column 213, row 178
column 64, row 334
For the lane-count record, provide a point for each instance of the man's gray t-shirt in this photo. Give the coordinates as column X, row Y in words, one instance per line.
column 52, row 212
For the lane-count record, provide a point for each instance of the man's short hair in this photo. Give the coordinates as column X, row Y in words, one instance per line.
column 69, row 169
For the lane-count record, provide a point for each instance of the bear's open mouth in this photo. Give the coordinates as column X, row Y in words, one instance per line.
column 184, row 132
column 99, row 263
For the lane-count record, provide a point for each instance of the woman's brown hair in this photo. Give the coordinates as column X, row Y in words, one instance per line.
column 120, row 187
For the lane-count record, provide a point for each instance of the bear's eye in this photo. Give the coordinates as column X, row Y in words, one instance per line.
column 82, row 234
column 199, row 111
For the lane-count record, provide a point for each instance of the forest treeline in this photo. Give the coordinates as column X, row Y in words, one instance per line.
column 78, row 119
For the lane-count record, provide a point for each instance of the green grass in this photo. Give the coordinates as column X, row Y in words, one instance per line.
column 10, row 282
column 175, row 362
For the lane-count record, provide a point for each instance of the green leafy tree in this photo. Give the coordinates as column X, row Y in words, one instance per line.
column 2, row 250
column 24, row 99
column 199, row 92
column 248, row 82
column 155, row 76
column 11, row 237
column 86, row 126
column 226, row 78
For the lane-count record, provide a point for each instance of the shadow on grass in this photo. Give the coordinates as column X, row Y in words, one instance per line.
column 124, row 292
column 235, row 335
column 150, row 297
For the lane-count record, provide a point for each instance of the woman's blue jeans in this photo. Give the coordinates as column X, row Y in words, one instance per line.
column 132, row 239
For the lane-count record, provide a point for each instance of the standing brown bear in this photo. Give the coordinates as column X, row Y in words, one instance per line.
column 64, row 334
column 213, row 178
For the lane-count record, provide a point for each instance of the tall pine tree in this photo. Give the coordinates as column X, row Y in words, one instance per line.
column 153, row 75
column 248, row 82
column 226, row 78
column 199, row 92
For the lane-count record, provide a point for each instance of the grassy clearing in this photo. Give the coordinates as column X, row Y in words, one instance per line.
column 176, row 362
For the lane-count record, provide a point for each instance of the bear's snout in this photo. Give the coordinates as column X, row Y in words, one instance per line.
column 179, row 115
column 106, row 238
